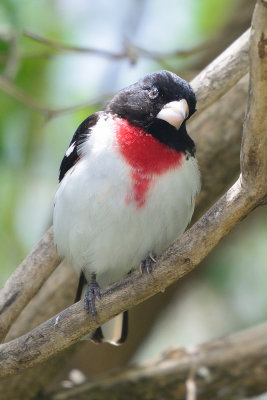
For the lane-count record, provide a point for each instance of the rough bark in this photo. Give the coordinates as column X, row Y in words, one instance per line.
column 26, row 280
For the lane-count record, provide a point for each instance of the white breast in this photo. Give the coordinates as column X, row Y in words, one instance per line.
column 98, row 231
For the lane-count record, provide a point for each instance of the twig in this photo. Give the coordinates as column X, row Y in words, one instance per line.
column 18, row 94
column 76, row 49
column 12, row 58
column 7, row 86
column 191, row 384
column 232, row 367
column 207, row 86
column 130, row 51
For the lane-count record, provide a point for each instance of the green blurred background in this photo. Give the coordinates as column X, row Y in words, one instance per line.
column 228, row 291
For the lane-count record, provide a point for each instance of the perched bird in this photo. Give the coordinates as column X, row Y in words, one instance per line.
column 128, row 182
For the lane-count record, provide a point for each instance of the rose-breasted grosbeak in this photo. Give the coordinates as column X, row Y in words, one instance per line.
column 128, row 182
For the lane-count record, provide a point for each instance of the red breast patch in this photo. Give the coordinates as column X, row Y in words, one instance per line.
column 146, row 155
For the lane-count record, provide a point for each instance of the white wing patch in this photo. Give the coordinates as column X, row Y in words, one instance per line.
column 70, row 150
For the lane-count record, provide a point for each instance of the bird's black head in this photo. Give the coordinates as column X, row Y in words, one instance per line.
column 141, row 102
column 159, row 103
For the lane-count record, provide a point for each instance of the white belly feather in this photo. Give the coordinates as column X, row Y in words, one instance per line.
column 98, row 231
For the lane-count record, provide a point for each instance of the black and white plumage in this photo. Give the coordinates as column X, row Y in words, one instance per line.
column 127, row 185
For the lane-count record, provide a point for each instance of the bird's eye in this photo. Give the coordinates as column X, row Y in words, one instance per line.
column 153, row 93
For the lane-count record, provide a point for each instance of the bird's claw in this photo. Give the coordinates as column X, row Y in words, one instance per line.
column 92, row 293
column 146, row 264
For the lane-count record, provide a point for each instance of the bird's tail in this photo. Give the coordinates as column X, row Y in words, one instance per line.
column 114, row 331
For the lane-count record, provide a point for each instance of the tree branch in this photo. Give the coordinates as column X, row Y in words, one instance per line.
column 8, row 87
column 26, row 280
column 130, row 51
column 56, row 294
column 206, row 85
column 239, row 361
column 180, row 258
column 215, row 78
column 11, row 60
column 217, row 133
column 254, row 146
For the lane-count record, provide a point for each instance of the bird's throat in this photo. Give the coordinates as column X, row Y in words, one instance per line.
column 147, row 157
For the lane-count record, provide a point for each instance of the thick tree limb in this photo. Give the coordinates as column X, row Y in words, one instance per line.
column 253, row 156
column 216, row 79
column 26, row 281
column 56, row 294
column 181, row 257
column 231, row 367
column 218, row 134
column 231, row 73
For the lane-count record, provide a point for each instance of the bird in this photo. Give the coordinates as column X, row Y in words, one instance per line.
column 127, row 188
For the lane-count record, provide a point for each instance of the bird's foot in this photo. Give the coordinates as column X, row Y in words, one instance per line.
column 146, row 264
column 92, row 293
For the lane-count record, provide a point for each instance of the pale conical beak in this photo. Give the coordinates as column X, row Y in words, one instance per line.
column 174, row 112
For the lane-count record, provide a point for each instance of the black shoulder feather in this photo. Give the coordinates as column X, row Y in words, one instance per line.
column 81, row 134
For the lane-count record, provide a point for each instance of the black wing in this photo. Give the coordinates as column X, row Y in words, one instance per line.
column 81, row 284
column 81, row 134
